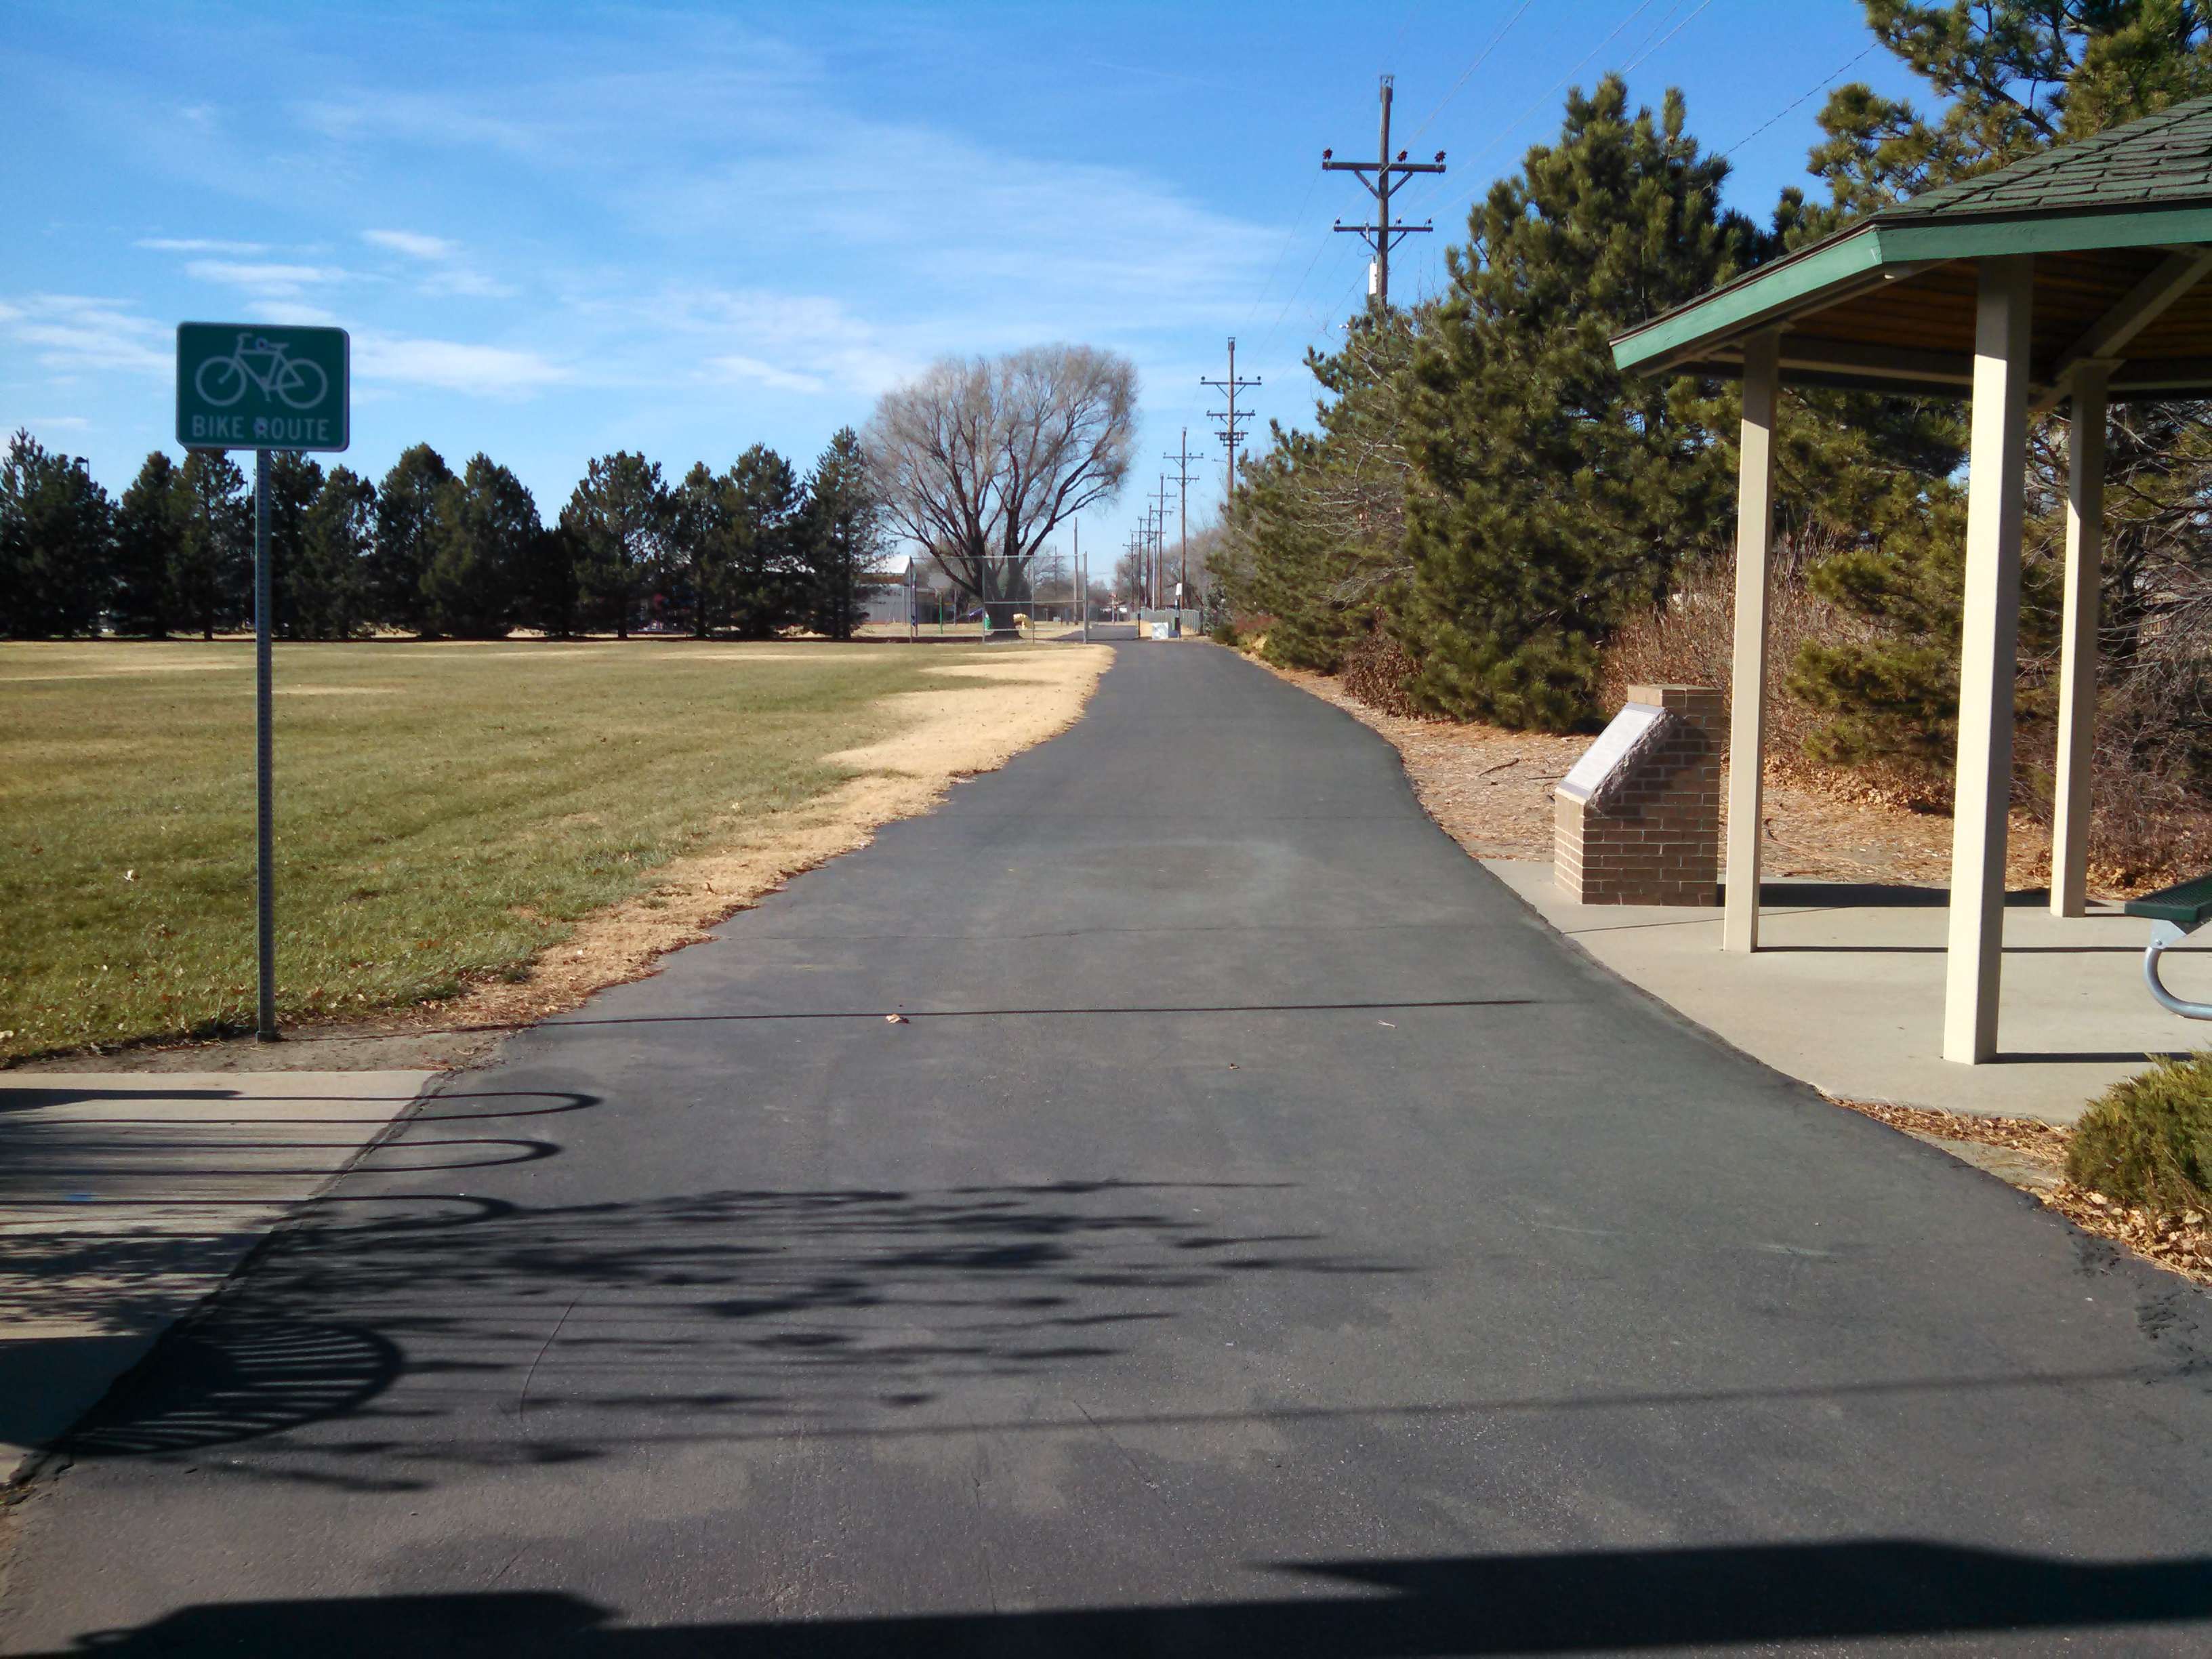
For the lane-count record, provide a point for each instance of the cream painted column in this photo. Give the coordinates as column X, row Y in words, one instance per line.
column 1754, row 547
column 2077, row 664
column 1988, row 650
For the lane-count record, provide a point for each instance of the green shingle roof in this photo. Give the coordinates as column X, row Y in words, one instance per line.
column 2146, row 185
column 2163, row 160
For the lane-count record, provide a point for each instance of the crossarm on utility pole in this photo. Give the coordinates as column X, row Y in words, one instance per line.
column 1382, row 235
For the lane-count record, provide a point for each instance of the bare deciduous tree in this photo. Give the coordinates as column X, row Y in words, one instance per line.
column 978, row 459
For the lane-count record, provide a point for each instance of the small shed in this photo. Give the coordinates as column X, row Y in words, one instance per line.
column 2074, row 276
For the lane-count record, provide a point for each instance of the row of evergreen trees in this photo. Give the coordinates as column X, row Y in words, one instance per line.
column 1487, row 499
column 751, row 551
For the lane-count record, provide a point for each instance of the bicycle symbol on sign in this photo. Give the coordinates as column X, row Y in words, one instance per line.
column 223, row 380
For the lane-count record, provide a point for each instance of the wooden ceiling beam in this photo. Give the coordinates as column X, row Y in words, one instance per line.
column 2144, row 304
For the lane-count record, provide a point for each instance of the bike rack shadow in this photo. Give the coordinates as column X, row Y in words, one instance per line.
column 221, row 1381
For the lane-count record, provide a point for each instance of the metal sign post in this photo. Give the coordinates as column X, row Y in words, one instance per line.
column 246, row 386
column 264, row 770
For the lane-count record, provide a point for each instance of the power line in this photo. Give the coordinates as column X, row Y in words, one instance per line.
column 1644, row 45
column 1546, row 97
column 1412, row 12
column 1427, row 197
column 1289, row 236
column 1480, row 58
column 1643, row 52
column 1269, row 339
column 1785, row 110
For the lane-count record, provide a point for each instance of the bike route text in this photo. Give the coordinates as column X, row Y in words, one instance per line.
column 275, row 431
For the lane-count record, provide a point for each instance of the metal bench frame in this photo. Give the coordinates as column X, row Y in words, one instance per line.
column 2174, row 913
column 2163, row 933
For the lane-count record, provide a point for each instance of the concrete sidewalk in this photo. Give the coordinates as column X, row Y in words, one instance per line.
column 125, row 1198
column 1846, row 991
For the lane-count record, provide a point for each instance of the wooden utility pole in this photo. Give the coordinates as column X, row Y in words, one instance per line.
column 1382, row 235
column 1182, row 459
column 1232, row 431
column 1160, row 546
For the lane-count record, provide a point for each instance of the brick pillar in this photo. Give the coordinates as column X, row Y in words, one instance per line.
column 1650, row 832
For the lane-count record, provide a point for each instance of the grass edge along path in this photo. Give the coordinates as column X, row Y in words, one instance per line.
column 1008, row 703
column 640, row 793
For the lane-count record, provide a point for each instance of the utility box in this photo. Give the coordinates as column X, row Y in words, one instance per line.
column 1637, row 820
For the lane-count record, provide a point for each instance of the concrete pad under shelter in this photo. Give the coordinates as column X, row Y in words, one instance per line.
column 1847, row 990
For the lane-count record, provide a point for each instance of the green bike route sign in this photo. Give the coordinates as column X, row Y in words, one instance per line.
column 262, row 386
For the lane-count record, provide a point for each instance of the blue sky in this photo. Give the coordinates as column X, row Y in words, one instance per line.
column 559, row 230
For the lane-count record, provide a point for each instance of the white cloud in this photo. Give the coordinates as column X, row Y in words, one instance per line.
column 468, row 284
column 743, row 145
column 801, row 343
column 291, row 312
column 72, row 333
column 277, row 280
column 740, row 367
column 412, row 243
column 447, row 276
column 58, row 423
column 198, row 245
column 479, row 370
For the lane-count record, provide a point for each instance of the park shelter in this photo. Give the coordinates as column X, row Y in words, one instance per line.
column 2076, row 275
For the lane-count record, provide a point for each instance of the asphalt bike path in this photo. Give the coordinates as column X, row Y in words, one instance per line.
column 1256, row 1234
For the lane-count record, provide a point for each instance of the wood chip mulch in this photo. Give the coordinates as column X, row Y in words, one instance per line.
column 1490, row 790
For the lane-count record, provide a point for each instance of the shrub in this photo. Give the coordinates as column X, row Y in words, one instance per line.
column 2147, row 1140
column 1378, row 673
column 1224, row 632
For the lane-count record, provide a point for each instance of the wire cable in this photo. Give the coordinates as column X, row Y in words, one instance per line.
column 1665, row 18
column 1786, row 108
column 1480, row 58
column 1646, row 50
column 1553, row 91
column 1324, row 244
column 1289, row 236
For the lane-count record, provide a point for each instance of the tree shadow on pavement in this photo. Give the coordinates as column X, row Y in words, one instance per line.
column 482, row 1332
column 1561, row 1603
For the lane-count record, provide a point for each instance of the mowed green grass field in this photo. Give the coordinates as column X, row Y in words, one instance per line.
column 443, row 810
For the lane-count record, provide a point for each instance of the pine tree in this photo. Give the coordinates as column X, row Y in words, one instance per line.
column 618, row 518
column 2017, row 76
column 548, row 597
column 486, row 525
column 294, row 481
column 1552, row 496
column 211, row 581
column 699, row 537
column 150, row 528
column 840, row 537
column 1319, row 520
column 406, row 527
column 763, row 581
column 338, row 533
column 56, row 527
